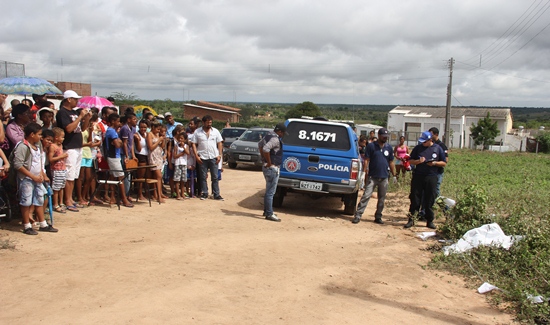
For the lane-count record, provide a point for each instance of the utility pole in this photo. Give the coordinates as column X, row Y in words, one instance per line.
column 448, row 111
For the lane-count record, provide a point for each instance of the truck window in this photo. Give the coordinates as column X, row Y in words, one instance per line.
column 315, row 135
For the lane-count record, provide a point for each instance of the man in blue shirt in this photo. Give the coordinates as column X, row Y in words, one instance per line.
column 428, row 157
column 112, row 149
column 378, row 160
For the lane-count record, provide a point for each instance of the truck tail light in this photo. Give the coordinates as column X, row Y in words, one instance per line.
column 354, row 168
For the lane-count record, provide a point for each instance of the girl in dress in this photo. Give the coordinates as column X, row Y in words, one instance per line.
column 155, row 143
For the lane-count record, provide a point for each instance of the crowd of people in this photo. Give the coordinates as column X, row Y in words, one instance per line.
column 62, row 149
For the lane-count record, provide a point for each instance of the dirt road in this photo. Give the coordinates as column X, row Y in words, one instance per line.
column 210, row 262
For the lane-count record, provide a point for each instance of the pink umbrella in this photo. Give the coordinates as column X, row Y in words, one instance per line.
column 93, row 101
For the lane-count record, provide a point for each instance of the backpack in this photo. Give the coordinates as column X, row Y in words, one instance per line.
column 12, row 174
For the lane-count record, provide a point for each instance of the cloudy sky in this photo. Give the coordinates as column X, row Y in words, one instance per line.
column 350, row 52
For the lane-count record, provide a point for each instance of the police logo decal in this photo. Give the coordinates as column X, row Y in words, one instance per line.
column 291, row 164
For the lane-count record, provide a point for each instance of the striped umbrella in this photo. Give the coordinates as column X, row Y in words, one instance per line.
column 27, row 86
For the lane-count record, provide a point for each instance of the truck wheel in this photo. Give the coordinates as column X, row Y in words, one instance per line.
column 350, row 202
column 278, row 197
column 232, row 165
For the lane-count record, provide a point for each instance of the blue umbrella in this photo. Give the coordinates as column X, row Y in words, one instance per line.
column 26, row 86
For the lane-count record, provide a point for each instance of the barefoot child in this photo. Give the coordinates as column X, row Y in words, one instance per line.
column 181, row 150
column 58, row 168
column 27, row 160
column 155, row 144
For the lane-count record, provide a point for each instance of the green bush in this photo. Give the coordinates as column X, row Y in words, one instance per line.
column 468, row 213
column 544, row 142
column 511, row 189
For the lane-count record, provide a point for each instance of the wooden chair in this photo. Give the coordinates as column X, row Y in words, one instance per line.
column 149, row 184
column 104, row 181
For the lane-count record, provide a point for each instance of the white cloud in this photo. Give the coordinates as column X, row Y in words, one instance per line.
column 392, row 52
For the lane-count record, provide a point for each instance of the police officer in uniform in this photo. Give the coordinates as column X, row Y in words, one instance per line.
column 378, row 160
column 428, row 157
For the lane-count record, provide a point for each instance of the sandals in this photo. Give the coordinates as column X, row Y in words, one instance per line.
column 59, row 209
column 130, row 205
column 72, row 208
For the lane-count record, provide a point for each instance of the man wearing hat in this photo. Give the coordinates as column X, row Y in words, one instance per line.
column 428, row 158
column 378, row 160
column 72, row 122
column 271, row 149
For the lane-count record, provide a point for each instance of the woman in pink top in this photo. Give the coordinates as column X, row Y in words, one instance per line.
column 400, row 151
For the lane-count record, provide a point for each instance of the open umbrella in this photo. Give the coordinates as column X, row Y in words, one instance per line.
column 139, row 110
column 93, row 101
column 27, row 86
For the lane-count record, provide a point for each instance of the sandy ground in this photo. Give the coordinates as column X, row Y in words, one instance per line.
column 210, row 262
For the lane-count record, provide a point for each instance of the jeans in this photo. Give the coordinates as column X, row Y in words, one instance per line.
column 382, row 184
column 423, row 193
column 210, row 164
column 127, row 176
column 271, row 176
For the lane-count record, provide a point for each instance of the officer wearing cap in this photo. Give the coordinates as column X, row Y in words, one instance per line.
column 271, row 149
column 428, row 158
column 378, row 160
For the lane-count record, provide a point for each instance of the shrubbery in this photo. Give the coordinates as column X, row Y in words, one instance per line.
column 512, row 190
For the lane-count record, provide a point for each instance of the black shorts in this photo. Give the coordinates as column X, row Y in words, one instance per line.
column 141, row 158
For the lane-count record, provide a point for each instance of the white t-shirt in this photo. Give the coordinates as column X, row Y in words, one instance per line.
column 182, row 160
column 36, row 165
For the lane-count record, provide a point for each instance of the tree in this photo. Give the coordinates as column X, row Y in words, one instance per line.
column 122, row 97
column 484, row 132
column 304, row 109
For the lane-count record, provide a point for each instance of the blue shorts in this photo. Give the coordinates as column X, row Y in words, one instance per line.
column 87, row 162
column 31, row 193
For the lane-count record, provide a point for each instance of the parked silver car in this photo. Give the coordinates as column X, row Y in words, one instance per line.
column 245, row 149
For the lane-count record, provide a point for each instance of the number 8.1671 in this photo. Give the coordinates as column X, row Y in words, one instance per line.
column 317, row 136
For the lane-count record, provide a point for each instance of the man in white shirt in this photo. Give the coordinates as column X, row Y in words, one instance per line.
column 207, row 146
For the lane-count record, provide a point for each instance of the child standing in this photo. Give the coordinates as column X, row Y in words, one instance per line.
column 47, row 140
column 27, row 160
column 180, row 152
column 58, row 168
column 155, row 144
column 113, row 145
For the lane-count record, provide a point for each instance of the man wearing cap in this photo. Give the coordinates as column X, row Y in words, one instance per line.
column 378, row 160
column 170, row 124
column 72, row 122
column 271, row 149
column 428, row 158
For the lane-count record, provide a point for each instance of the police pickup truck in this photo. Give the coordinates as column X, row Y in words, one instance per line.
column 320, row 158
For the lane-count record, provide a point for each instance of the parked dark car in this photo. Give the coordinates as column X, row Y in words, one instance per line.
column 245, row 149
column 229, row 135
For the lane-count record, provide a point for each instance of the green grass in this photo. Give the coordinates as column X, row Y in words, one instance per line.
column 512, row 189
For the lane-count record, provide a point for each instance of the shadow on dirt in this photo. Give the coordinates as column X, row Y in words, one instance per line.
column 410, row 307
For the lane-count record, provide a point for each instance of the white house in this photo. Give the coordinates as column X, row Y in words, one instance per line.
column 412, row 120
column 364, row 129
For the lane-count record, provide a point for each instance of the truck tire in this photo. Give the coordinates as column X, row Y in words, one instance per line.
column 350, row 202
column 232, row 165
column 278, row 197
